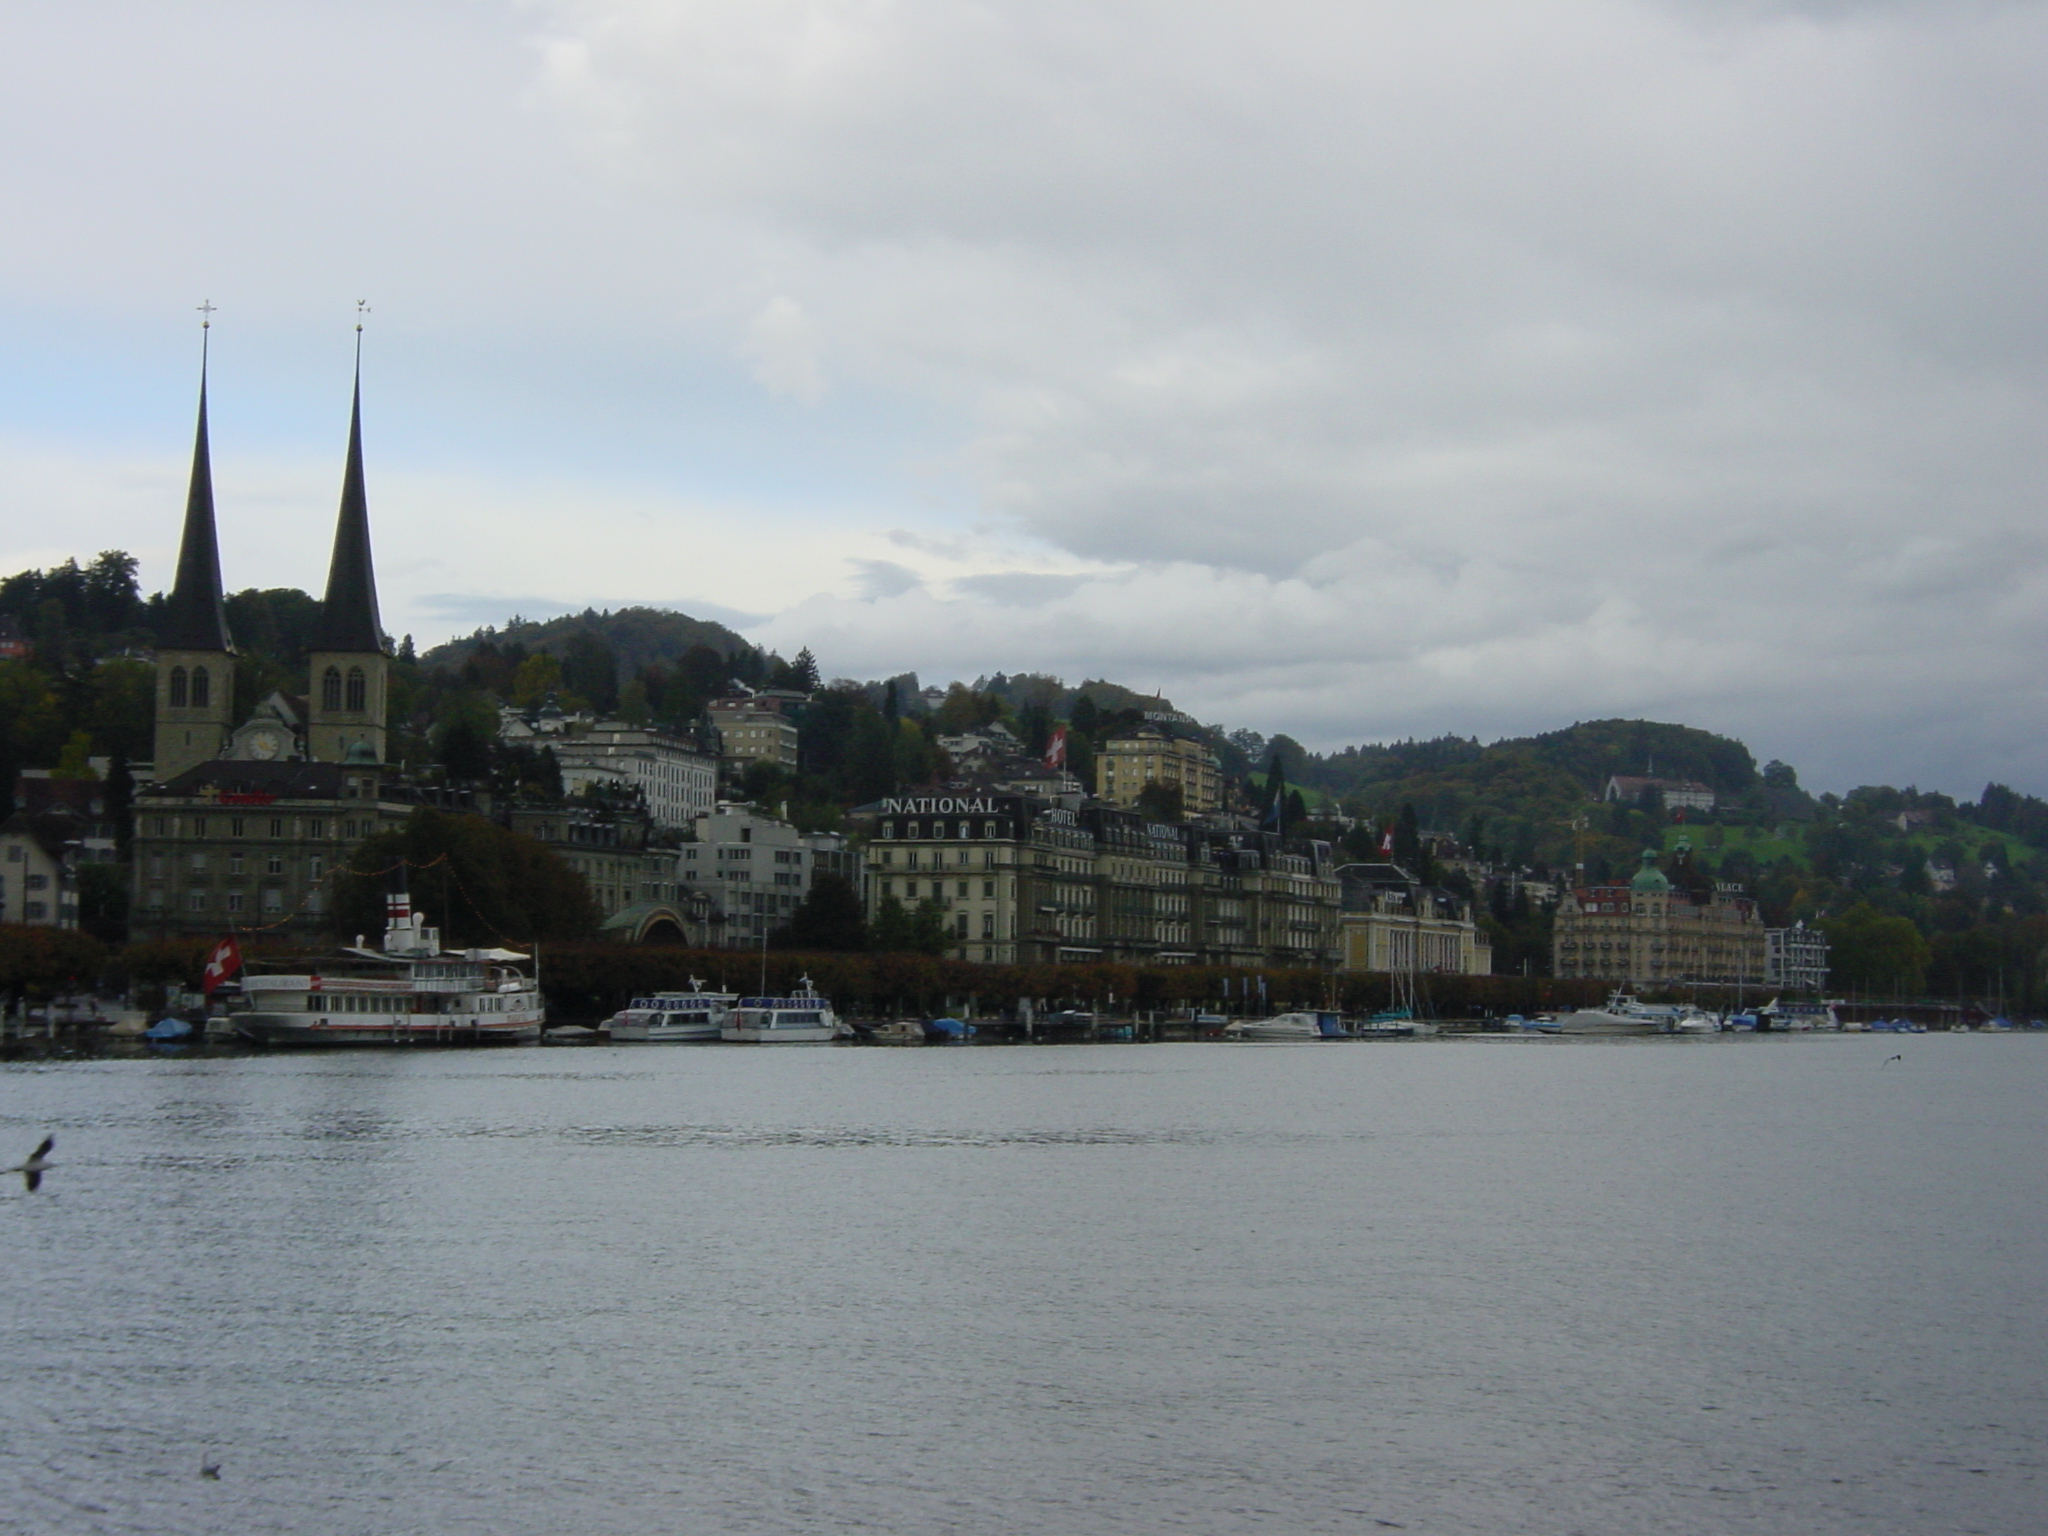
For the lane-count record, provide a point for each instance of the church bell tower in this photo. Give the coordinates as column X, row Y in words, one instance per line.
column 195, row 658
column 348, row 671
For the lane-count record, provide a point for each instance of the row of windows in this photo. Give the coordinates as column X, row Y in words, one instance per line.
column 334, row 688
column 962, row 857
column 938, row 891
column 989, row 829
column 231, row 901
column 238, row 864
column 312, row 828
column 192, row 689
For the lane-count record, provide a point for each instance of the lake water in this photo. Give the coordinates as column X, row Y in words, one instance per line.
column 1737, row 1284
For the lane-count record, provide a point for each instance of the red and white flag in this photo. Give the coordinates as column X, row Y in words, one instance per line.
column 1387, row 841
column 223, row 962
column 1056, row 749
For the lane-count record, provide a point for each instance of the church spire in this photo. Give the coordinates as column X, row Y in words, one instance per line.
column 348, row 615
column 195, row 617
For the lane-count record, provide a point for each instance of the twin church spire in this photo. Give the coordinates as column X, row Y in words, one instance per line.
column 348, row 616
column 344, row 714
column 196, row 617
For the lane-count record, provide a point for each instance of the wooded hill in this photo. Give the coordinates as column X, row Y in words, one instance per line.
column 637, row 637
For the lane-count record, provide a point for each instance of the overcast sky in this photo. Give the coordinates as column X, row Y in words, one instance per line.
column 1350, row 368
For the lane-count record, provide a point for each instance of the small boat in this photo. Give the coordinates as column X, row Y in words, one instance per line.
column 802, row 1018
column 896, row 1032
column 571, row 1034
column 1802, row 1016
column 1280, row 1027
column 694, row 1016
column 1623, row 1015
column 948, row 1032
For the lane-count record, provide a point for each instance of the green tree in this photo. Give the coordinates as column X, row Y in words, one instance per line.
column 535, row 678
column 919, row 930
column 591, row 671
column 1162, row 802
column 829, row 918
column 74, row 762
column 482, row 884
column 1871, row 952
column 121, row 708
column 464, row 739
column 103, row 901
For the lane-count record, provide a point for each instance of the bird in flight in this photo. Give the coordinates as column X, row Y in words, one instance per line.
column 32, row 1171
column 1889, row 1060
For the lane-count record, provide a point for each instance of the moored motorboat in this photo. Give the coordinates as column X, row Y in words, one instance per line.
column 1621, row 1016
column 695, row 1016
column 802, row 1018
column 1280, row 1027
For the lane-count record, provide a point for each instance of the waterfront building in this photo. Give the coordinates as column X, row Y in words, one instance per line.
column 252, row 844
column 1022, row 879
column 604, row 841
column 40, row 852
column 1391, row 922
column 754, row 869
column 1126, row 764
column 1796, row 958
column 1646, row 933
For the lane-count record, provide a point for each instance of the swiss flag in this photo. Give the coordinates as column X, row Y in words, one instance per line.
column 1056, row 749
column 1387, row 841
column 223, row 962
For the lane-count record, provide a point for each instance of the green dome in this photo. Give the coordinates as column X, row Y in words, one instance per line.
column 360, row 754
column 1649, row 877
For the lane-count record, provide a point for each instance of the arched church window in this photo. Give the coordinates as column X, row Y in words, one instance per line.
column 356, row 690
column 202, row 688
column 330, row 688
column 178, row 694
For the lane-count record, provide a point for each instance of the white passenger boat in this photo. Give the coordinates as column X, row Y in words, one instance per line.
column 1282, row 1026
column 411, row 992
column 802, row 1018
column 695, row 1015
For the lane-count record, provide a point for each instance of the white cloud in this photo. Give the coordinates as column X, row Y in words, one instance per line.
column 782, row 345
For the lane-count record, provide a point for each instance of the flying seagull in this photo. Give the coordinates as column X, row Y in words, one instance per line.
column 1889, row 1060
column 32, row 1171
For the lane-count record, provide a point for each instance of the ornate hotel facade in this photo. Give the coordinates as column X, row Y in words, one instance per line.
column 1021, row 879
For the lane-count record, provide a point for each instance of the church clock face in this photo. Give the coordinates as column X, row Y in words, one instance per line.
column 264, row 745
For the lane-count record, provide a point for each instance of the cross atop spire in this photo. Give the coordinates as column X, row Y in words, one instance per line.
column 348, row 614
column 195, row 617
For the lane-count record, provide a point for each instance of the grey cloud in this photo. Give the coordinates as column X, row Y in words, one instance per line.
column 1018, row 589
column 884, row 578
column 1466, row 364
